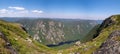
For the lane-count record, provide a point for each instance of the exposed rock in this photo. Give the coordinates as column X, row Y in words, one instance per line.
column 54, row 31
column 23, row 28
column 77, row 43
column 111, row 45
column 14, row 40
column 29, row 40
column 8, row 44
column 109, row 21
column 36, row 37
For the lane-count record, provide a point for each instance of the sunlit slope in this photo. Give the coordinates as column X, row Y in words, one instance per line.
column 54, row 31
column 14, row 39
column 109, row 25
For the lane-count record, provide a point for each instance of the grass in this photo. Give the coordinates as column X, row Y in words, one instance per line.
column 68, row 28
column 3, row 50
column 18, row 38
column 13, row 31
column 91, row 46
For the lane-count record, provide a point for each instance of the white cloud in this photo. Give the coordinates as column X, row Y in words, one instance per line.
column 3, row 11
column 24, row 11
column 19, row 12
column 37, row 11
column 16, row 8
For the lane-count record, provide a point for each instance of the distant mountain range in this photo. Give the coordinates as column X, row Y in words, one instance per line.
column 12, row 19
column 27, row 36
column 55, row 31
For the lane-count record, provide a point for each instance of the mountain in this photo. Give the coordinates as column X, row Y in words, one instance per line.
column 10, row 19
column 111, row 45
column 91, row 33
column 99, row 21
column 106, row 39
column 15, row 40
column 55, row 31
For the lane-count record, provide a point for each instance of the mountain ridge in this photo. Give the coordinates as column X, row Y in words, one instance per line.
column 14, row 40
column 106, row 40
column 109, row 25
column 54, row 31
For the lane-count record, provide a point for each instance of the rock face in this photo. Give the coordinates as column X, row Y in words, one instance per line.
column 107, row 22
column 111, row 45
column 54, row 31
column 15, row 40
column 111, row 33
column 106, row 39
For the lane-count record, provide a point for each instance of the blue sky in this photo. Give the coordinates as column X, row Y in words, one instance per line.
column 75, row 9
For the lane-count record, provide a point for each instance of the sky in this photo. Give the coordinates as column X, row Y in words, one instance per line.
column 68, row 9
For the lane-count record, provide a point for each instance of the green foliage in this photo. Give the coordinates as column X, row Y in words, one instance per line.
column 91, row 33
column 13, row 31
column 68, row 27
column 91, row 46
column 18, row 39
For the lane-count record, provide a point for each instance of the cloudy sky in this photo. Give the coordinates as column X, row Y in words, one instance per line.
column 80, row 9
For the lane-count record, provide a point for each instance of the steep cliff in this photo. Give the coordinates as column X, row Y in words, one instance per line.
column 106, row 39
column 15, row 40
column 54, row 31
column 112, row 44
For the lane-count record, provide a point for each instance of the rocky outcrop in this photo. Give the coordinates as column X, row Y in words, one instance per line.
column 8, row 45
column 24, row 28
column 14, row 40
column 111, row 45
column 51, row 31
column 54, row 31
column 107, row 22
